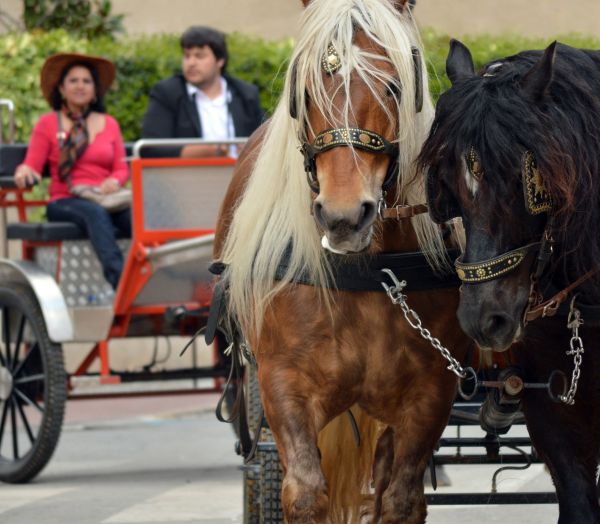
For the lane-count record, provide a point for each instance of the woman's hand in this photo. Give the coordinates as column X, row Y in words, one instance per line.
column 110, row 185
column 25, row 176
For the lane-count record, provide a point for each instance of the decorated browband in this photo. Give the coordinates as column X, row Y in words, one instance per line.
column 361, row 138
column 473, row 273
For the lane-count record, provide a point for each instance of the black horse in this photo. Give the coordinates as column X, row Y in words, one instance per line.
column 515, row 152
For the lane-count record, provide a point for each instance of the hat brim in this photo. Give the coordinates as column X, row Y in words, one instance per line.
column 55, row 65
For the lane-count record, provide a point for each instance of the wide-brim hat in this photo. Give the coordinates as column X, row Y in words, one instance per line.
column 55, row 65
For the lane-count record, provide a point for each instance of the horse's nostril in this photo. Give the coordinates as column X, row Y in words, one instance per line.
column 318, row 213
column 497, row 325
column 367, row 215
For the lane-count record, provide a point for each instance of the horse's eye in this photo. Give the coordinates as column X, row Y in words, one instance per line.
column 393, row 90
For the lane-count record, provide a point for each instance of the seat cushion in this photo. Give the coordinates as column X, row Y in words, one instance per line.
column 48, row 232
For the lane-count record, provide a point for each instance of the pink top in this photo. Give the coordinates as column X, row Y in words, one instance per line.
column 103, row 158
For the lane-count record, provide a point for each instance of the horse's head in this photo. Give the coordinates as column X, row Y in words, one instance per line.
column 493, row 161
column 356, row 99
column 356, row 103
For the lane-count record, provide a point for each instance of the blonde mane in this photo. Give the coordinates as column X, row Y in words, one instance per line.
column 273, row 212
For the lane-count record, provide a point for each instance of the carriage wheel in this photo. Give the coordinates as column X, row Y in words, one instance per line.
column 33, row 387
column 252, row 470
column 270, row 483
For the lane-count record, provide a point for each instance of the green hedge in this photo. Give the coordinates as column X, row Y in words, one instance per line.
column 142, row 61
column 486, row 48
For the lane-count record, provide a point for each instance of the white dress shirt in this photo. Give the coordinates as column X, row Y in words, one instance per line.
column 215, row 117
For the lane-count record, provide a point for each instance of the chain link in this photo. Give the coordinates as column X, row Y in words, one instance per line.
column 399, row 299
column 574, row 322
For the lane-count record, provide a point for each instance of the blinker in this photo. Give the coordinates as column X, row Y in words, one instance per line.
column 537, row 197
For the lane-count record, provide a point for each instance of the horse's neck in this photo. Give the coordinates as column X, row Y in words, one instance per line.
column 396, row 236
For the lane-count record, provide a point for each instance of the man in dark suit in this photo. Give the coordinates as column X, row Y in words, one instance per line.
column 203, row 102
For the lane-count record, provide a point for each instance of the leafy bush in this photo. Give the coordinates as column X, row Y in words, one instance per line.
column 144, row 60
column 89, row 18
column 484, row 49
column 141, row 62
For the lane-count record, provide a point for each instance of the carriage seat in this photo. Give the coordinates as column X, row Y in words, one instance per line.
column 11, row 155
column 46, row 232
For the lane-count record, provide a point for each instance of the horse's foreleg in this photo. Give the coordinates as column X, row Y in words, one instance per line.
column 566, row 437
column 569, row 449
column 382, row 469
column 414, row 441
column 292, row 420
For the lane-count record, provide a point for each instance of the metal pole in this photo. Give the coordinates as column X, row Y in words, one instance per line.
column 169, row 142
column 10, row 107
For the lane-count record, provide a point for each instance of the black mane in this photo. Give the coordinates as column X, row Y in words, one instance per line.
column 491, row 113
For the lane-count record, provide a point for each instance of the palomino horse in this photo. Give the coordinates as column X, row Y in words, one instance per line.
column 357, row 103
column 514, row 152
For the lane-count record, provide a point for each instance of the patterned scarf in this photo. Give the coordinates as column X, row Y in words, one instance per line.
column 74, row 146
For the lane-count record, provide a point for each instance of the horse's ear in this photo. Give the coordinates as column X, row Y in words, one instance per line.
column 536, row 81
column 459, row 64
column 305, row 2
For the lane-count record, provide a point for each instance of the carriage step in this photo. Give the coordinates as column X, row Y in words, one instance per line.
column 504, row 459
column 442, row 499
column 482, row 442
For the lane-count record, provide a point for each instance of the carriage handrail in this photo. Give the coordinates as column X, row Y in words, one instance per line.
column 169, row 142
column 10, row 106
column 178, row 246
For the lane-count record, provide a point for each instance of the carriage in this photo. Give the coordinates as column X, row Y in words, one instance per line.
column 55, row 295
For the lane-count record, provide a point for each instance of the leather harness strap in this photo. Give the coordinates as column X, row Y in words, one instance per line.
column 403, row 212
column 549, row 307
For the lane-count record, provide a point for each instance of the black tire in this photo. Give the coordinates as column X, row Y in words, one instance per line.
column 252, row 470
column 270, row 484
column 252, row 494
column 33, row 386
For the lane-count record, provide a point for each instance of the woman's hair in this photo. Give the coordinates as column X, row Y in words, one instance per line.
column 96, row 105
column 201, row 36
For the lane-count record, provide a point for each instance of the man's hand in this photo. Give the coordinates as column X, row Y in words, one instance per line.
column 202, row 151
column 110, row 185
column 26, row 177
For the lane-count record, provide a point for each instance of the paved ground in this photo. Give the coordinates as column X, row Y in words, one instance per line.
column 167, row 460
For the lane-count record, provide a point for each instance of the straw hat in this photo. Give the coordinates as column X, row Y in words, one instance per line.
column 56, row 64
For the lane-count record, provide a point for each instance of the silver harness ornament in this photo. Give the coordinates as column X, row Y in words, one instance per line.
column 399, row 299
column 574, row 322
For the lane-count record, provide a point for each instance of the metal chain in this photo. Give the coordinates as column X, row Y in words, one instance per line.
column 395, row 293
column 574, row 322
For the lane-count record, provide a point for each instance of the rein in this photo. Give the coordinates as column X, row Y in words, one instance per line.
column 550, row 307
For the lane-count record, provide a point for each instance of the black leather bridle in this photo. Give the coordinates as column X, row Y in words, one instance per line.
column 349, row 137
column 358, row 138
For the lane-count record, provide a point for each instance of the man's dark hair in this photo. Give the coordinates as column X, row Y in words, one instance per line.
column 200, row 36
column 96, row 105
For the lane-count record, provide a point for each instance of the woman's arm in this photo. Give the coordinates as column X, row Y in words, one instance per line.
column 38, row 152
column 120, row 171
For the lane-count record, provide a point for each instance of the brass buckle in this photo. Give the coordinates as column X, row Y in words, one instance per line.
column 551, row 308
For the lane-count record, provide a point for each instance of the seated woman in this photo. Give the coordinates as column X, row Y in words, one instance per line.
column 83, row 146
